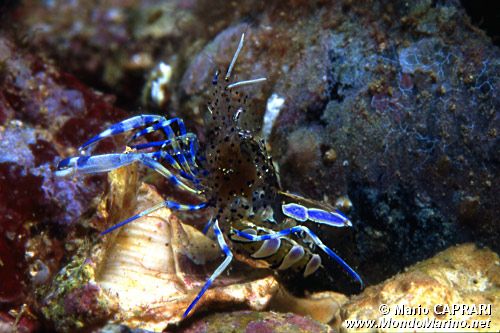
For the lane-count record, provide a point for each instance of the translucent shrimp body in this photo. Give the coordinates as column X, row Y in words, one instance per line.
column 232, row 174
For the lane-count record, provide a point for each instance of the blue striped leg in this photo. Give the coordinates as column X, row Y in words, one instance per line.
column 164, row 155
column 171, row 136
column 121, row 127
column 108, row 162
column 316, row 240
column 189, row 164
column 207, row 226
column 165, row 126
column 188, row 137
column 218, row 271
column 168, row 204
column 302, row 214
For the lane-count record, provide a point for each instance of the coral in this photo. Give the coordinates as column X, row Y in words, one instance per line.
column 19, row 321
column 74, row 300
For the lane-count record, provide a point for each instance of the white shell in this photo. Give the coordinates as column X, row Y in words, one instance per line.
column 155, row 266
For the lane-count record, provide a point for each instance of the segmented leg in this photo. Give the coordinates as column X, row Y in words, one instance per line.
column 161, row 123
column 188, row 137
column 121, row 127
column 188, row 164
column 168, row 204
column 163, row 155
column 315, row 239
column 218, row 271
column 207, row 226
column 108, row 162
column 173, row 140
column 165, row 126
column 302, row 214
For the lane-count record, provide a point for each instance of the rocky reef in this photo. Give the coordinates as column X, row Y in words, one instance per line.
column 388, row 107
column 461, row 274
column 43, row 113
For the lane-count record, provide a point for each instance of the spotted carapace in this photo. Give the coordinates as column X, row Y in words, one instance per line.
column 233, row 177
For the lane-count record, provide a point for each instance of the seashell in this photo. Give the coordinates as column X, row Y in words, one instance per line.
column 149, row 271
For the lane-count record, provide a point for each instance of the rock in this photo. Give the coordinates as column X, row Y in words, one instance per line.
column 323, row 306
column 43, row 112
column 462, row 274
column 113, row 45
column 262, row 322
column 405, row 94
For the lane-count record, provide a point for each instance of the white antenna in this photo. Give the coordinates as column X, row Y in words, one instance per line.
column 240, row 46
column 242, row 83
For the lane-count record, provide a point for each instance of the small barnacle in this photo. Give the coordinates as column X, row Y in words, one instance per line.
column 330, row 155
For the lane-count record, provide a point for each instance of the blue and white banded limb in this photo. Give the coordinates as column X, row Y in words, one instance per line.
column 126, row 125
column 168, row 204
column 302, row 214
column 108, row 162
column 157, row 123
column 188, row 163
column 315, row 239
column 229, row 257
column 165, row 126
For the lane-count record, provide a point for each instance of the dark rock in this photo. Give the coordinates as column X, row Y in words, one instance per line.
column 406, row 96
column 112, row 45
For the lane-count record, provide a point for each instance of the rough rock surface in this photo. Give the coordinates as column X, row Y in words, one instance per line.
column 44, row 114
column 394, row 104
column 462, row 274
column 113, row 44
column 262, row 322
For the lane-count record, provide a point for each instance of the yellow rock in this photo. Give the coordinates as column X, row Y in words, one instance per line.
column 462, row 278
